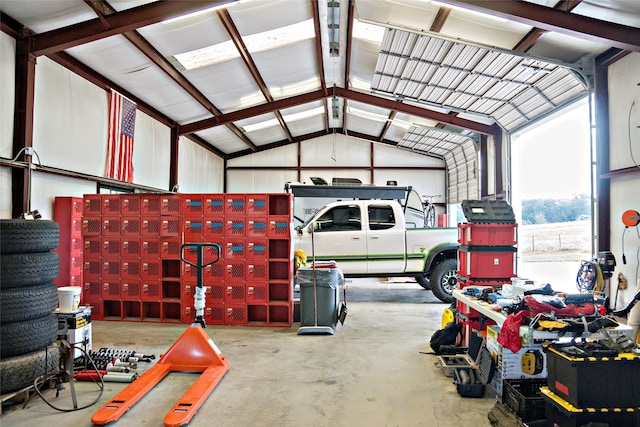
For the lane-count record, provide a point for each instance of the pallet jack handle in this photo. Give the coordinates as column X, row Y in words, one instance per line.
column 200, row 265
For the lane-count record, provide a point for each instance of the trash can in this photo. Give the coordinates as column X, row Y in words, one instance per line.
column 328, row 282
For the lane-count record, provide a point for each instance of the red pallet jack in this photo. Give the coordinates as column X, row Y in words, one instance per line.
column 193, row 351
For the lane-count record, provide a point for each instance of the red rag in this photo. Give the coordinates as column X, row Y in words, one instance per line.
column 509, row 336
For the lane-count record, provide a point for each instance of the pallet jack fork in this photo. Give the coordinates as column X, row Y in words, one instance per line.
column 193, row 351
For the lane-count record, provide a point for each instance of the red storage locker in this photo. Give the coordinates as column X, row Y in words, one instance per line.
column 214, row 274
column 150, row 204
column 234, row 204
column 92, row 248
column 468, row 326
column 256, row 248
column 169, row 204
column 235, row 314
column 150, row 226
column 150, row 290
column 110, row 247
column 91, row 226
column 92, row 292
column 170, row 248
column 486, row 261
column 151, row 269
column 234, row 270
column 75, row 226
column 279, row 227
column 188, row 292
column 234, row 293
column 257, row 292
column 111, row 204
column 130, row 247
column 92, row 269
column 131, row 226
column 111, row 291
column 281, row 204
column 111, row 269
column 92, row 205
column 170, row 226
column 131, row 268
column 213, row 206
column 463, row 282
column 130, row 290
column 150, row 247
column 214, row 314
column 234, row 249
column 257, row 270
column 190, row 273
column 488, row 234
column 235, row 226
column 256, row 227
column 111, row 226
column 131, row 205
column 192, row 229
column 281, row 313
column 192, row 205
column 257, row 204
column 213, row 230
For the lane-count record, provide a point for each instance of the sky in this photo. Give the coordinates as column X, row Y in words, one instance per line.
column 551, row 159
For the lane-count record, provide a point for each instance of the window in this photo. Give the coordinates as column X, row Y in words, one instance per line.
column 113, row 189
column 341, row 218
column 381, row 217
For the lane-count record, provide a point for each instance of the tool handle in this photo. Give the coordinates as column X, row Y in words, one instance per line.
column 200, row 246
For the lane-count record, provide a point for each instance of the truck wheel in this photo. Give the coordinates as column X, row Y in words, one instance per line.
column 444, row 280
column 423, row 281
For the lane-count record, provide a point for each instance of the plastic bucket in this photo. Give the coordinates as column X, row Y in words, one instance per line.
column 68, row 298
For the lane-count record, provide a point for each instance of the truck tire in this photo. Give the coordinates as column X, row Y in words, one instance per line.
column 28, row 269
column 21, row 371
column 22, row 236
column 423, row 281
column 444, row 280
column 30, row 335
column 27, row 302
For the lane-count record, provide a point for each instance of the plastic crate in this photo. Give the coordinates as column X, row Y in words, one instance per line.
column 498, row 211
column 523, row 397
column 490, row 234
column 486, row 261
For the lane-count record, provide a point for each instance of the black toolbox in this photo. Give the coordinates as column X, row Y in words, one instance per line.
column 560, row 413
column 472, row 381
column 449, row 362
column 590, row 381
column 487, row 211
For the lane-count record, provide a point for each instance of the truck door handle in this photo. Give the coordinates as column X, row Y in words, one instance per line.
column 375, row 237
column 355, row 238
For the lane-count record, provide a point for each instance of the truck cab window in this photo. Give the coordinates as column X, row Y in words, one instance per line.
column 341, row 218
column 381, row 217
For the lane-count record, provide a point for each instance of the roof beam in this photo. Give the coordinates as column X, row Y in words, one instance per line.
column 535, row 34
column 118, row 23
column 559, row 21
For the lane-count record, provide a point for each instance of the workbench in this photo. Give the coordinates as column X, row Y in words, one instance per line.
column 526, row 333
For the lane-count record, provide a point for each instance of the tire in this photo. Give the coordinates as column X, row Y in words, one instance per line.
column 18, row 304
column 424, row 282
column 21, row 371
column 23, row 236
column 25, row 337
column 444, row 280
column 28, row 269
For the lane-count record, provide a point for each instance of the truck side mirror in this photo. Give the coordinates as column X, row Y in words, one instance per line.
column 312, row 227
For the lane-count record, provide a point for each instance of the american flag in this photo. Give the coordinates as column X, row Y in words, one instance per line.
column 122, row 121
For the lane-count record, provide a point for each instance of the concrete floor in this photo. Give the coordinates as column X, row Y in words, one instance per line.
column 372, row 372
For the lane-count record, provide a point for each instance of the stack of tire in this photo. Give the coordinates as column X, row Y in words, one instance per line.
column 28, row 299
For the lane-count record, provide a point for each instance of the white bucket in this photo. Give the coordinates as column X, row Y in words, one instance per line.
column 68, row 298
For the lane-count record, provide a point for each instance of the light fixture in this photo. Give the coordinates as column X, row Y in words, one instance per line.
column 288, row 118
column 258, row 42
column 466, row 10
column 333, row 24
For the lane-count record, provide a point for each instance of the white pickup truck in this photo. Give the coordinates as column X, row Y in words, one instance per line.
column 370, row 238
